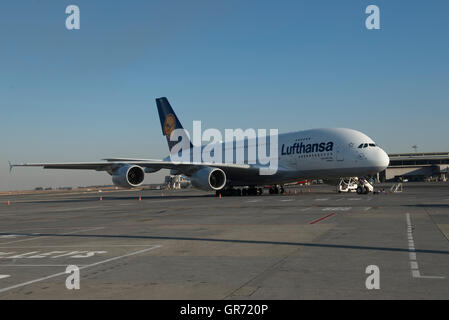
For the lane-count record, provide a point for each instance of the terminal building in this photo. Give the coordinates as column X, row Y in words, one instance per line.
column 430, row 166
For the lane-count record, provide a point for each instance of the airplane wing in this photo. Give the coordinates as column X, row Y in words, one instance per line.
column 115, row 163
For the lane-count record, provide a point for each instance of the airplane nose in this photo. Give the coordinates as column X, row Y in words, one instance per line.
column 383, row 161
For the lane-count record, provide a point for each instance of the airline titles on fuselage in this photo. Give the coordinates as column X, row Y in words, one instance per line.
column 301, row 148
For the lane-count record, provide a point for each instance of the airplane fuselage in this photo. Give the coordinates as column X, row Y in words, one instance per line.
column 312, row 154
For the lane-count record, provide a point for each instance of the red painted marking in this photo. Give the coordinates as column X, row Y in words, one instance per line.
column 322, row 218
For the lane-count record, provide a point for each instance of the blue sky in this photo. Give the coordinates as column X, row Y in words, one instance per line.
column 87, row 94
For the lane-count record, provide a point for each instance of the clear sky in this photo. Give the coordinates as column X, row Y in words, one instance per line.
column 87, row 94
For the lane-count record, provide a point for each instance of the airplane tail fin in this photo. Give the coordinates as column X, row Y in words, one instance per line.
column 169, row 120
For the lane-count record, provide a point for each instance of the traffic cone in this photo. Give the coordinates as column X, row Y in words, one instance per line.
column 9, row 203
column 140, row 198
column 101, row 198
column 295, row 191
column 219, row 196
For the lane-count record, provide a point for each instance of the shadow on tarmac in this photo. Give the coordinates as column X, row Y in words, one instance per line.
column 299, row 244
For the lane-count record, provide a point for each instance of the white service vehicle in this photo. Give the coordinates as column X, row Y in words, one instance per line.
column 354, row 184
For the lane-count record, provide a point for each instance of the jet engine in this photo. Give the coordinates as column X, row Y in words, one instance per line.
column 128, row 176
column 209, row 179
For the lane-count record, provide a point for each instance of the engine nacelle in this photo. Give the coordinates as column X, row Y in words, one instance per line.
column 209, row 179
column 128, row 176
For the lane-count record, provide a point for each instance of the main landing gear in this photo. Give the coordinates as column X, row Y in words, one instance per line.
column 250, row 191
column 276, row 189
column 236, row 192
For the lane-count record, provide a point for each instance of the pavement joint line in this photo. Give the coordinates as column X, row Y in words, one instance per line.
column 81, row 268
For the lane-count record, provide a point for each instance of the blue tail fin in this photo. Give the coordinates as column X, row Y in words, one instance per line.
column 169, row 120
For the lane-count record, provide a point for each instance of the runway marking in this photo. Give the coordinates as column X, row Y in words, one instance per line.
column 337, row 209
column 305, row 209
column 3, row 276
column 37, row 265
column 414, row 268
column 322, row 199
column 9, row 236
column 51, row 254
column 34, row 238
column 322, row 218
column 354, row 199
column 77, row 246
column 80, row 268
column 340, row 199
column 287, row 200
column 77, row 209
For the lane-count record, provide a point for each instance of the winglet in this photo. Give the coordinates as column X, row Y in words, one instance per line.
column 10, row 166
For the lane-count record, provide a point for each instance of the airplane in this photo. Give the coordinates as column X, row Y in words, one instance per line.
column 329, row 154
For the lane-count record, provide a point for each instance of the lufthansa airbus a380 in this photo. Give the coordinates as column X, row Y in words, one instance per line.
column 328, row 154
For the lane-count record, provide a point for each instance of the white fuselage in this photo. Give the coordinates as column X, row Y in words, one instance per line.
column 315, row 154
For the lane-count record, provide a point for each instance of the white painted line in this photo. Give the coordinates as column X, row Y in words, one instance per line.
column 37, row 265
column 337, row 209
column 287, row 200
column 355, row 199
column 411, row 247
column 77, row 246
column 3, row 276
column 83, row 267
column 305, row 209
column 322, row 199
column 367, row 208
column 251, row 201
column 416, row 274
column 9, row 236
column 23, row 255
column 413, row 265
column 75, row 209
column 62, row 234
column 340, row 199
column 414, row 268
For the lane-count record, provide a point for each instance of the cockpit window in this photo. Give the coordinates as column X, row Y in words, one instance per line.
column 366, row 145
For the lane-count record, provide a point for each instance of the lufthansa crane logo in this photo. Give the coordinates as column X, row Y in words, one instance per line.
column 169, row 124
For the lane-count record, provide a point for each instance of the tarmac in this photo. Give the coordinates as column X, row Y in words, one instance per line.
column 188, row 244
